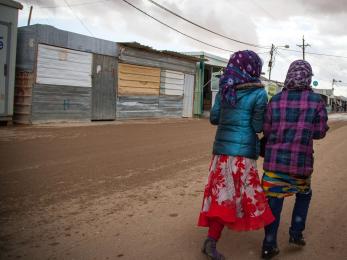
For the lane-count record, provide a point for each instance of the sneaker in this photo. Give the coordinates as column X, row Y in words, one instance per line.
column 268, row 253
column 297, row 241
column 210, row 250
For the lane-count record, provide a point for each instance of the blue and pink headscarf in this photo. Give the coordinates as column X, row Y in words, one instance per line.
column 243, row 67
column 299, row 75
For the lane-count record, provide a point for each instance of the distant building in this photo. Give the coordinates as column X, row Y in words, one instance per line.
column 328, row 97
column 339, row 104
column 209, row 67
column 272, row 87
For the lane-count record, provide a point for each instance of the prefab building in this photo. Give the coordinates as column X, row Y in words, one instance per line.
column 272, row 87
column 209, row 68
column 8, row 41
column 63, row 76
column 154, row 83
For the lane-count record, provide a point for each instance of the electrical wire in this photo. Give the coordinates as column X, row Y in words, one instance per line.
column 263, row 9
column 74, row 4
column 314, row 53
column 204, row 28
column 85, row 27
column 176, row 30
column 187, row 20
column 283, row 56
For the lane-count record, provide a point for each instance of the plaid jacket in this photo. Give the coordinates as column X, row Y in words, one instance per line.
column 292, row 120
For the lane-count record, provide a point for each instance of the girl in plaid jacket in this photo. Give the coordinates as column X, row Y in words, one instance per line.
column 293, row 119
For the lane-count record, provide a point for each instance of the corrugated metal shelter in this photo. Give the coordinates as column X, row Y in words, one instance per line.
column 62, row 76
column 206, row 85
column 8, row 42
column 153, row 83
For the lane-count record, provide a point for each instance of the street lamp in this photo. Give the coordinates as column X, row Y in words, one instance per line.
column 273, row 49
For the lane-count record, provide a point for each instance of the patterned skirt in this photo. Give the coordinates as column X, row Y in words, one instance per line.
column 282, row 185
column 234, row 195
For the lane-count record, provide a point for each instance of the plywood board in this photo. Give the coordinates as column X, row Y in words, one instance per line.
column 138, row 80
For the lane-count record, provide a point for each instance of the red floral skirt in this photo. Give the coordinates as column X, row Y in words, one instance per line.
column 234, row 195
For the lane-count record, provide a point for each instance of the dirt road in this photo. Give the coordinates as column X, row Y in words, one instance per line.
column 133, row 191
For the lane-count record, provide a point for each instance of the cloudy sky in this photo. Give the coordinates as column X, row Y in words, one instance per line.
column 260, row 22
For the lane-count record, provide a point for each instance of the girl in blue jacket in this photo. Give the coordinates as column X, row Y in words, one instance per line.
column 233, row 195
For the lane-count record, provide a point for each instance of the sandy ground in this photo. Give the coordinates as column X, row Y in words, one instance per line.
column 134, row 191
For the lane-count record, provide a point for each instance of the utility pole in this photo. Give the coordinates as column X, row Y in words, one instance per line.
column 270, row 62
column 333, row 83
column 30, row 13
column 303, row 47
column 272, row 56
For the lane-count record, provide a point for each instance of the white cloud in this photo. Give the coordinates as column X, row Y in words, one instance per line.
column 261, row 22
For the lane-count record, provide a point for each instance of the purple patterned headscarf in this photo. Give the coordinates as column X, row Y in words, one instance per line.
column 243, row 67
column 299, row 75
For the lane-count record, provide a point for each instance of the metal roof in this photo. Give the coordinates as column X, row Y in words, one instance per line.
column 11, row 3
column 322, row 91
column 210, row 59
column 164, row 52
column 341, row 98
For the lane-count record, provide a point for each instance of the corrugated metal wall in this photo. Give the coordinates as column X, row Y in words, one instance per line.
column 62, row 89
column 60, row 103
column 150, row 70
column 145, row 58
column 63, row 85
column 138, row 92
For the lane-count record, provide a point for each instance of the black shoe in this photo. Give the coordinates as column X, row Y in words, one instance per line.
column 297, row 241
column 268, row 253
column 210, row 250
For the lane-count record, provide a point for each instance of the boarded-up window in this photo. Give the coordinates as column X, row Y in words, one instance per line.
column 60, row 66
column 171, row 83
column 138, row 80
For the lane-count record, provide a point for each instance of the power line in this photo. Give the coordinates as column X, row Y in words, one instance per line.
column 204, row 28
column 74, row 4
column 176, row 30
column 97, row 2
column 314, row 53
column 264, row 10
column 85, row 27
column 283, row 56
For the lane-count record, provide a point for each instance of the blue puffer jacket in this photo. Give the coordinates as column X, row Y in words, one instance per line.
column 237, row 127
